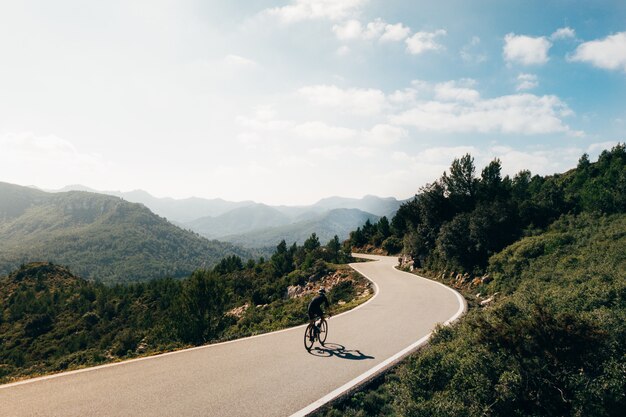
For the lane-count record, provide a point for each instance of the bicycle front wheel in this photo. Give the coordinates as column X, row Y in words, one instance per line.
column 323, row 332
column 308, row 337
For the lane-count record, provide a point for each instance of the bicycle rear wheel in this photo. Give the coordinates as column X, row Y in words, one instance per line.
column 308, row 337
column 323, row 332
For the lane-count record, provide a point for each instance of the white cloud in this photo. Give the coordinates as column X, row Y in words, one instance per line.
column 384, row 134
column 403, row 97
column 526, row 50
column 451, row 107
column 451, row 91
column 263, row 126
column 424, row 41
column 445, row 155
column 595, row 148
column 378, row 29
column 608, row 53
column 526, row 81
column 300, row 10
column 541, row 161
column 470, row 53
column 520, row 114
column 348, row 30
column 374, row 30
column 395, row 33
column 429, row 163
column 424, row 166
column 352, row 100
column 563, row 33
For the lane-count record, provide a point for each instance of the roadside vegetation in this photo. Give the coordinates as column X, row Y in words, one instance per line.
column 52, row 320
column 549, row 254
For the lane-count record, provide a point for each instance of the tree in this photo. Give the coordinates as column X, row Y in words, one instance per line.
column 461, row 183
column 201, row 306
column 383, row 228
column 369, row 230
column 455, row 244
column 311, row 243
column 490, row 186
column 333, row 250
column 229, row 264
column 357, row 238
column 282, row 259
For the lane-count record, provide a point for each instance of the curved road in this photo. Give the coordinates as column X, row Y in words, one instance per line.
column 268, row 375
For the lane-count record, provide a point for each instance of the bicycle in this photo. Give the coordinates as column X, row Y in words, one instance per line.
column 315, row 332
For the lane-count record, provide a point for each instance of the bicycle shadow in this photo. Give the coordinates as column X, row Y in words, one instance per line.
column 339, row 351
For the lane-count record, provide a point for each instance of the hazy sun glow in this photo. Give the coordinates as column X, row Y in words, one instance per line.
column 286, row 102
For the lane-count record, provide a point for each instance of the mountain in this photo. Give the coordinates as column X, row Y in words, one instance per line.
column 240, row 220
column 180, row 211
column 218, row 219
column 371, row 204
column 334, row 222
column 98, row 236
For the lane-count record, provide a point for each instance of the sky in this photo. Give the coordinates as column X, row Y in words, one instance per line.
column 290, row 101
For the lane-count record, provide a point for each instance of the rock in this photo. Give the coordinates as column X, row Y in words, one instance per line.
column 238, row 312
column 406, row 261
column 142, row 347
column 341, row 302
column 294, row 290
column 486, row 279
column 488, row 300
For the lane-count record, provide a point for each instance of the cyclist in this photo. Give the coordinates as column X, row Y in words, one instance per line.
column 315, row 307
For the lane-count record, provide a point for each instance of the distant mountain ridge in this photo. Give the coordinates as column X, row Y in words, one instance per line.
column 252, row 224
column 338, row 222
column 240, row 220
column 180, row 211
column 370, row 204
column 98, row 236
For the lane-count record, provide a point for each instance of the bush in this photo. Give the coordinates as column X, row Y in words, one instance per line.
column 344, row 291
column 392, row 245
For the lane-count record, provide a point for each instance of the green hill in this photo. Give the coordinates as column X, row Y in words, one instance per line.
column 552, row 344
column 98, row 236
column 545, row 333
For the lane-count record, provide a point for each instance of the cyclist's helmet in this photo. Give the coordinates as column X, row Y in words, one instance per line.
column 322, row 290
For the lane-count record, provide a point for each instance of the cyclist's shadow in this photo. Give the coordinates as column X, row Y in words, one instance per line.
column 340, row 351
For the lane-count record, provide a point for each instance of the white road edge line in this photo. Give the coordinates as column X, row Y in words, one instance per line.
column 160, row 355
column 344, row 388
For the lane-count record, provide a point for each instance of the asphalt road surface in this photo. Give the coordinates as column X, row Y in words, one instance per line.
column 268, row 375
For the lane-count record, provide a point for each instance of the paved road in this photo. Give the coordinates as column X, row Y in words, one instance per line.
column 270, row 375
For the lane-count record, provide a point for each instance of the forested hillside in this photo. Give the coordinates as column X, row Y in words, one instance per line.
column 459, row 221
column 52, row 320
column 98, row 237
column 552, row 339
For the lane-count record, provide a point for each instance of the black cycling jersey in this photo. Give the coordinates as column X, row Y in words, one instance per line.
column 316, row 304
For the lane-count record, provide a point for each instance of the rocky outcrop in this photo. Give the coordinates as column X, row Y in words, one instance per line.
column 328, row 281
